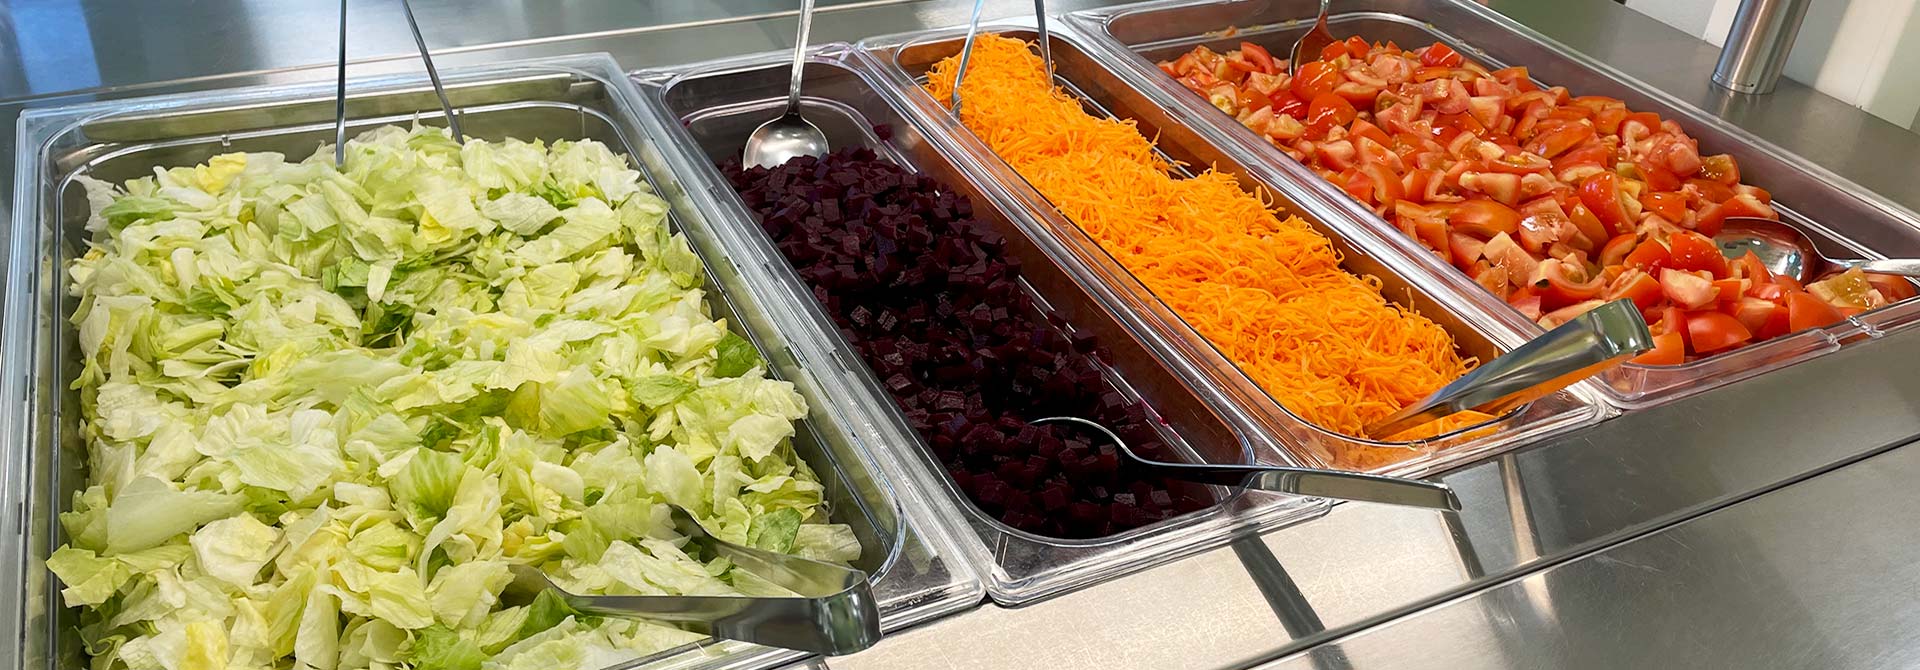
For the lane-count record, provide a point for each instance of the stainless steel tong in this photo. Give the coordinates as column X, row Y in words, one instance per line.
column 973, row 29
column 1588, row 344
column 833, row 613
column 340, row 85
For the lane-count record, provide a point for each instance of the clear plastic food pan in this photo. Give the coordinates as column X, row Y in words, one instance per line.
column 1187, row 141
column 718, row 104
column 1845, row 220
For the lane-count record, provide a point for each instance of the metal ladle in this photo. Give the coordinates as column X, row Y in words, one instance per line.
column 832, row 613
column 1787, row 250
column 1284, row 479
column 1584, row 346
column 792, row 135
column 1308, row 47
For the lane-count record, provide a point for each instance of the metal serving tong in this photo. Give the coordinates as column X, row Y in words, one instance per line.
column 340, row 86
column 973, row 29
column 1588, row 344
column 834, row 613
column 1285, row 479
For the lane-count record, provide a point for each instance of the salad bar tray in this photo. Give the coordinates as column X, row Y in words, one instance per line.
column 914, row 571
column 1843, row 219
column 1184, row 140
column 718, row 103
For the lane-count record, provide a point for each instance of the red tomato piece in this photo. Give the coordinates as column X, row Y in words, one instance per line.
column 1893, row 288
column 1616, row 250
column 1601, row 194
column 1327, row 111
column 1721, row 169
column 1259, row 57
column 1559, row 287
column 1806, row 311
column 1650, row 256
column 1670, row 205
column 1440, row 55
column 1668, row 349
column 1314, row 79
column 1713, row 331
column 1484, row 218
column 1687, row 289
column 1688, row 250
column 1637, row 286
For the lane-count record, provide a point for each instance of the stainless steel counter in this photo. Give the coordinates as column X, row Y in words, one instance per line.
column 1590, row 547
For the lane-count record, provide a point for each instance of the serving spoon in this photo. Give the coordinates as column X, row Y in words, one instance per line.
column 1786, row 250
column 792, row 135
column 1308, row 47
column 1286, row 479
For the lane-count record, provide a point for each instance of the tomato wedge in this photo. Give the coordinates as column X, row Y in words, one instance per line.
column 1441, row 55
column 1668, row 349
column 1687, row 289
column 1805, row 311
column 1637, row 286
column 1314, row 79
column 1688, row 250
column 1259, row 56
column 1601, row 194
column 1484, row 218
column 1713, row 331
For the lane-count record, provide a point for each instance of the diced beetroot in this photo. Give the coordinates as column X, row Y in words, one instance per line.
column 930, row 298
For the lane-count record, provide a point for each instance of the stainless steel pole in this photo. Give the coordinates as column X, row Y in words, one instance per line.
column 1758, row 44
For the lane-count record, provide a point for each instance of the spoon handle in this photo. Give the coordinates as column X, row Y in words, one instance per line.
column 1333, row 484
column 799, row 57
column 1905, row 267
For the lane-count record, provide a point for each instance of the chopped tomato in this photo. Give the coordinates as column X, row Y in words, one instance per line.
column 1558, row 140
column 1616, row 250
column 1562, row 284
column 1721, row 169
column 1805, row 311
column 1687, row 289
column 1688, row 250
column 1892, row 287
column 1314, row 79
column 1601, row 194
column 1258, row 56
column 1713, row 331
column 1327, row 111
column 1648, row 256
column 1670, row 205
column 1484, row 218
column 1528, row 305
column 1668, row 349
column 1440, row 55
column 1750, row 267
column 1286, row 103
column 1763, row 317
column 1637, row 286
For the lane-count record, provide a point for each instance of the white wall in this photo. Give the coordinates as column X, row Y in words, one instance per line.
column 1865, row 52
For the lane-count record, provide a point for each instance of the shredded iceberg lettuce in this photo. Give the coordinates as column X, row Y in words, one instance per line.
column 325, row 411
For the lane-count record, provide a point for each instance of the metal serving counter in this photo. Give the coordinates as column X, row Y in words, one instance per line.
column 1752, row 525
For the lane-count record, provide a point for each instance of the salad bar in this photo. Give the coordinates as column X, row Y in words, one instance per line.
column 569, row 385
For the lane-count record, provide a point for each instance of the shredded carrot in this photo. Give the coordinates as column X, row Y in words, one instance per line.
column 1268, row 292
